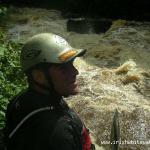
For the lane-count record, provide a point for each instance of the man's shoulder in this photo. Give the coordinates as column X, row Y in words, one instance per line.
column 14, row 100
column 19, row 95
column 45, row 122
column 49, row 116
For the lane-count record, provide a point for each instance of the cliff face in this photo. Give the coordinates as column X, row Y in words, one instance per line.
column 127, row 9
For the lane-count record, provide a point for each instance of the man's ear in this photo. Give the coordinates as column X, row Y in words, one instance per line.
column 38, row 76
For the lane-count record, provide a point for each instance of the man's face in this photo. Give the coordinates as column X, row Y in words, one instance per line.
column 64, row 78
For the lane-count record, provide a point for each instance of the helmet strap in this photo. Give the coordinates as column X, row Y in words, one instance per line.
column 50, row 87
column 42, row 86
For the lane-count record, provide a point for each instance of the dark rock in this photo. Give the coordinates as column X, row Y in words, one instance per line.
column 79, row 25
column 87, row 25
column 125, row 9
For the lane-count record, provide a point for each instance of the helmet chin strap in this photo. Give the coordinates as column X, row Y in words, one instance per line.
column 42, row 86
column 48, row 88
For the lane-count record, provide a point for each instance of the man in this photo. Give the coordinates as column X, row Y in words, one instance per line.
column 39, row 118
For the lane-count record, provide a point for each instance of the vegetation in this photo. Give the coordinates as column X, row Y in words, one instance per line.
column 11, row 78
column 3, row 11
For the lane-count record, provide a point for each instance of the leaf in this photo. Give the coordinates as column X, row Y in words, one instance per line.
column 2, row 49
column 11, row 77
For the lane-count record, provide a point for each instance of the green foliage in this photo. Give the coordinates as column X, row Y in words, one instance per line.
column 11, row 77
column 3, row 11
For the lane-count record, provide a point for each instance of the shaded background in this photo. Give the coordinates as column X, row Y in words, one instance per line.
column 125, row 9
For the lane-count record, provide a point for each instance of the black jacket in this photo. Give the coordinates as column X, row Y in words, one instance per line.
column 56, row 129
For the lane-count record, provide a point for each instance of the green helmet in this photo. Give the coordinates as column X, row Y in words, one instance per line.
column 47, row 48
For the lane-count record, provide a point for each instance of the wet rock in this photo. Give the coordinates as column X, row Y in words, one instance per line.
column 79, row 25
column 87, row 25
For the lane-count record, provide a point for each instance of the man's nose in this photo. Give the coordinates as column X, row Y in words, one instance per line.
column 74, row 71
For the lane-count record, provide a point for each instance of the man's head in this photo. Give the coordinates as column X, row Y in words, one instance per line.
column 47, row 60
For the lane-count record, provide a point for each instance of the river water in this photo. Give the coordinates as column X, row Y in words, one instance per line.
column 114, row 73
